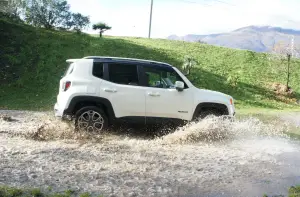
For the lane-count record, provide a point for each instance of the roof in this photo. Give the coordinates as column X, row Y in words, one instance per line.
column 104, row 58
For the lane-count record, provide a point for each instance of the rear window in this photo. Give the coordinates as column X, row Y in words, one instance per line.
column 98, row 69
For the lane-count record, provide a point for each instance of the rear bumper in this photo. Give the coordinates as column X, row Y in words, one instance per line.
column 57, row 111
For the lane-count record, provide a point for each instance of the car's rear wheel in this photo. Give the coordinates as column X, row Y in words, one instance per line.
column 91, row 119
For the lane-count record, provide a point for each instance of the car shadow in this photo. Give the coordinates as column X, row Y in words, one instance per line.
column 143, row 131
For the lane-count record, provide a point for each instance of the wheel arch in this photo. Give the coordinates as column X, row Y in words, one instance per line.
column 222, row 108
column 78, row 102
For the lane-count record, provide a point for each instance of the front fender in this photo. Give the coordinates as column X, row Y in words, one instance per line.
column 213, row 99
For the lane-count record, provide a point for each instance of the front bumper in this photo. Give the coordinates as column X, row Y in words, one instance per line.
column 231, row 110
column 231, row 113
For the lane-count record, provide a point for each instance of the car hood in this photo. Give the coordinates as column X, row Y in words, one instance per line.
column 210, row 95
column 213, row 92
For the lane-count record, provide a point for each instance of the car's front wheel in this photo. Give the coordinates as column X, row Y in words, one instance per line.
column 209, row 112
column 91, row 119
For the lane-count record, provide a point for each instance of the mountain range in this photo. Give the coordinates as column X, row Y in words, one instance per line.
column 255, row 38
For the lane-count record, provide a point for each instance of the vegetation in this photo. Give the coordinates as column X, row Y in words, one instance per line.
column 33, row 59
column 102, row 28
column 49, row 14
column 6, row 191
column 272, row 117
column 53, row 14
column 294, row 191
column 12, row 9
column 78, row 22
column 188, row 64
column 284, row 54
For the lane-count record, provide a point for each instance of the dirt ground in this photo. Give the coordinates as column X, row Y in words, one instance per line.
column 210, row 158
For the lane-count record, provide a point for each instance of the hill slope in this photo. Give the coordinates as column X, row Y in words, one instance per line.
column 32, row 61
column 255, row 38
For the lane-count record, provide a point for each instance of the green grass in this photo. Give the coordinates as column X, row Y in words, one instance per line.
column 32, row 61
column 6, row 191
column 271, row 116
column 294, row 133
column 294, row 191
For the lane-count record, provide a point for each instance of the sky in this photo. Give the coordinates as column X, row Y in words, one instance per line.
column 181, row 17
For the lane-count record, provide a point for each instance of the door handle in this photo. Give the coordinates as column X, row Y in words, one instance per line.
column 153, row 94
column 109, row 90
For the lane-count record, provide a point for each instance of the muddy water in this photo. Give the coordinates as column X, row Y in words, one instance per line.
column 213, row 157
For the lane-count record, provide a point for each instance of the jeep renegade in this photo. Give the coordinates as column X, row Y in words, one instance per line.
column 97, row 91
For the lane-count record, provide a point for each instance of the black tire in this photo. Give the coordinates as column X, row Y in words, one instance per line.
column 209, row 112
column 92, row 116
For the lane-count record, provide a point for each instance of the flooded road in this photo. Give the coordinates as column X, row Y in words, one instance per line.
column 213, row 157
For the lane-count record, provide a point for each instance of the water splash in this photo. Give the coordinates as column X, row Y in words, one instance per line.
column 216, row 129
column 203, row 156
column 44, row 127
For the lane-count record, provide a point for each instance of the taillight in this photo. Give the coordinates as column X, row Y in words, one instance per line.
column 66, row 85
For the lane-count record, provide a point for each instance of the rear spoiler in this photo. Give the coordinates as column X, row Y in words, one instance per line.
column 71, row 60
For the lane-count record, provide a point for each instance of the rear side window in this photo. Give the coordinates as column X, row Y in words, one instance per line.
column 98, row 69
column 69, row 69
column 125, row 74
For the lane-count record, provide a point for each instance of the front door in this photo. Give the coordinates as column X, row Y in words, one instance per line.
column 162, row 99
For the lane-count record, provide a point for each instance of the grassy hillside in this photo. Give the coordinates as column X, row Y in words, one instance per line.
column 32, row 61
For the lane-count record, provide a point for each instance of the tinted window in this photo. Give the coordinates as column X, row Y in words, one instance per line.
column 98, row 69
column 161, row 78
column 123, row 74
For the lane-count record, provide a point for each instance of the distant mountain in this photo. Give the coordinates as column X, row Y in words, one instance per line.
column 255, row 38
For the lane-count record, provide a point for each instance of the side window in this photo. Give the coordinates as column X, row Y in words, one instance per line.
column 98, row 69
column 161, row 78
column 125, row 74
column 69, row 69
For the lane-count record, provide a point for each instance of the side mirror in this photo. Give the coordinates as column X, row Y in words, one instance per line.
column 179, row 85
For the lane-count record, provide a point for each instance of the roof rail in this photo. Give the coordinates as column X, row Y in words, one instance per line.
column 123, row 58
column 71, row 60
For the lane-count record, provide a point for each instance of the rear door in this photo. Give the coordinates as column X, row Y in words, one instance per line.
column 121, row 85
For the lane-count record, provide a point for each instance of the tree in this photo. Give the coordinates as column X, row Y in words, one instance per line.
column 12, row 9
column 79, row 21
column 47, row 13
column 284, row 53
column 188, row 64
column 102, row 27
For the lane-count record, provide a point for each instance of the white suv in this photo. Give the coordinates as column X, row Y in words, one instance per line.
column 97, row 91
